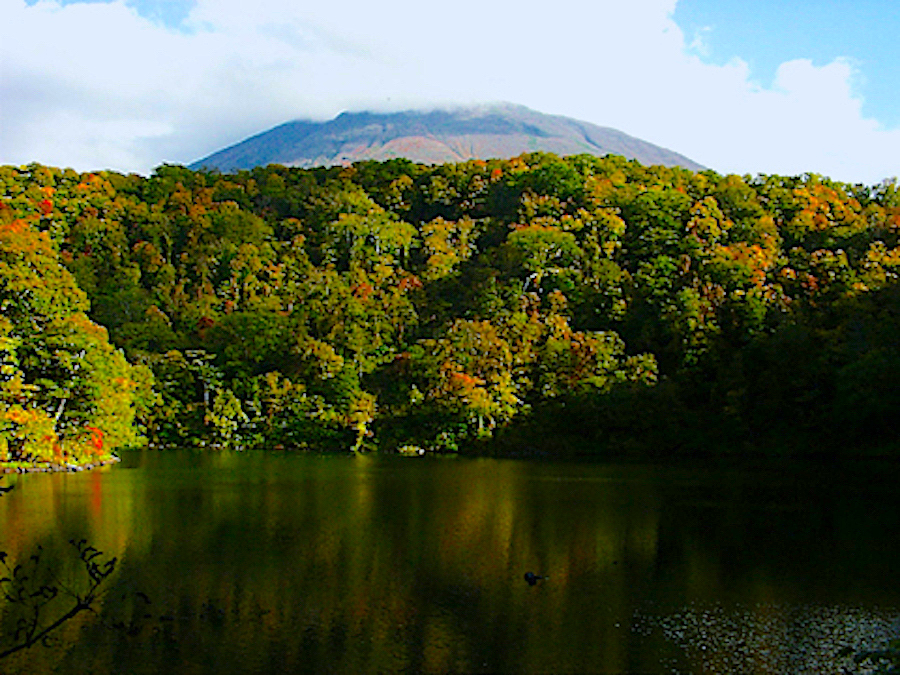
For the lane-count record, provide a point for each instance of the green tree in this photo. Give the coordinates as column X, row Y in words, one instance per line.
column 64, row 390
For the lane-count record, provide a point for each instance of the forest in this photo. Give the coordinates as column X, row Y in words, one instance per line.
column 531, row 306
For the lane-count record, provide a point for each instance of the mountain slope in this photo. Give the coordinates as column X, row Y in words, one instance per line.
column 434, row 137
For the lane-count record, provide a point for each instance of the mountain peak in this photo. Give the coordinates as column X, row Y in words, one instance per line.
column 434, row 136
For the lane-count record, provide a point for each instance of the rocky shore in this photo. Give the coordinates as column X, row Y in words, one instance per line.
column 49, row 467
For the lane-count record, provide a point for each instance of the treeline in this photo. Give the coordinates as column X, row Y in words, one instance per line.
column 582, row 303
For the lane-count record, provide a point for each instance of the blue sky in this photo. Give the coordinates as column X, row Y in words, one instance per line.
column 761, row 87
column 171, row 13
column 766, row 33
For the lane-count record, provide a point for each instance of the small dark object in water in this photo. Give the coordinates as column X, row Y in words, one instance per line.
column 5, row 489
column 533, row 578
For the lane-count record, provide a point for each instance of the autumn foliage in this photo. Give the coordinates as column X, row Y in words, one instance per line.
column 389, row 304
column 63, row 387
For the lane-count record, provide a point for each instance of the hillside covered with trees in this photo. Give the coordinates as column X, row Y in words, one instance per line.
column 568, row 305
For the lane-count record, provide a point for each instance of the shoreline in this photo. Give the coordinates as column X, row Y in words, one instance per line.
column 48, row 467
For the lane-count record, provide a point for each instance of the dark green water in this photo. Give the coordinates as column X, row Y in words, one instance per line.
column 269, row 562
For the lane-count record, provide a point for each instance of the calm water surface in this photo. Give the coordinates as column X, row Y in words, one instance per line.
column 271, row 562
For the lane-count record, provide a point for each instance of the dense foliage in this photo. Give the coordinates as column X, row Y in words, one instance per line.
column 397, row 305
column 65, row 393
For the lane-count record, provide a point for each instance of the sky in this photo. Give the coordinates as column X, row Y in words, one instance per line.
column 770, row 86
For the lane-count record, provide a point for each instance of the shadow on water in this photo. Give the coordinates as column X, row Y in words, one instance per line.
column 271, row 562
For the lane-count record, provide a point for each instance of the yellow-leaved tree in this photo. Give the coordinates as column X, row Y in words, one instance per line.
column 66, row 394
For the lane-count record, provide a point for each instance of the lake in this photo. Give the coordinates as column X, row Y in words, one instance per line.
column 274, row 562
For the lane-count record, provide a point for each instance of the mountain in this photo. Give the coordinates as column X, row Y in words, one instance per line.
column 434, row 137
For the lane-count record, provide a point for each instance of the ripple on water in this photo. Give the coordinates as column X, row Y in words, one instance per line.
column 775, row 638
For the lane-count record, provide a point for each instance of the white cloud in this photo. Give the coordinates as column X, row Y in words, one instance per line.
column 97, row 85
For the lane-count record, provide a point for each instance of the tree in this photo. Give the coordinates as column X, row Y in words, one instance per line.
column 65, row 392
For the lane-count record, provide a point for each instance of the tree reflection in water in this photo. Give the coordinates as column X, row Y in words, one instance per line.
column 271, row 562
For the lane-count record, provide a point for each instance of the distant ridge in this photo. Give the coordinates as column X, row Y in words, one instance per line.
column 434, row 137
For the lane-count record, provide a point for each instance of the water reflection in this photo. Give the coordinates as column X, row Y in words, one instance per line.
column 277, row 563
column 796, row 639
